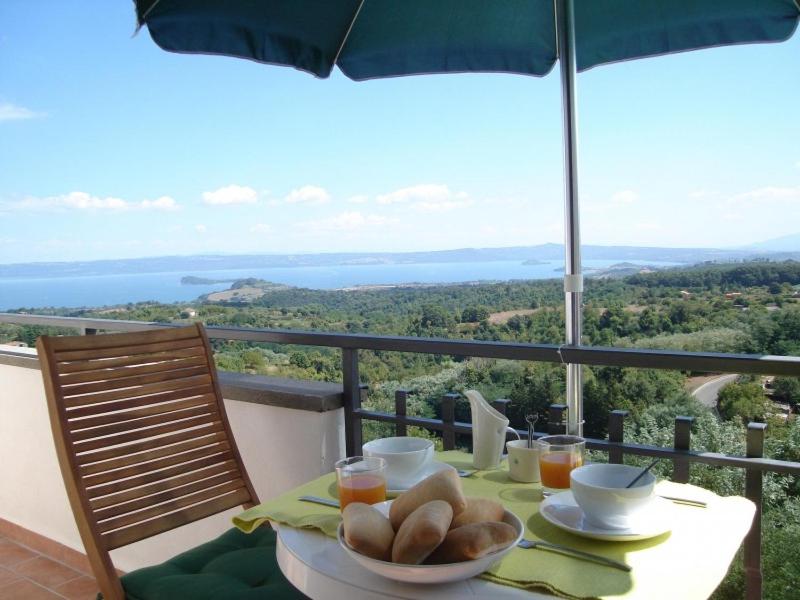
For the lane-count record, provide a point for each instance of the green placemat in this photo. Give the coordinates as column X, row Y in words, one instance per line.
column 689, row 562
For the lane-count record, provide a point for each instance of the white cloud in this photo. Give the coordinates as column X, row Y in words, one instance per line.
column 86, row 201
column 703, row 194
column 231, row 194
column 260, row 228
column 768, row 195
column 162, row 203
column 624, row 197
column 11, row 112
column 308, row 194
column 797, row 164
column 646, row 226
column 428, row 193
column 440, row 207
column 347, row 221
column 358, row 199
column 732, row 216
column 200, row 228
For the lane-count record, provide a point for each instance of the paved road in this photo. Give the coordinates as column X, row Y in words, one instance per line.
column 706, row 394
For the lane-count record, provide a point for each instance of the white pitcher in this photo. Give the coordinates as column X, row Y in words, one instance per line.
column 489, row 429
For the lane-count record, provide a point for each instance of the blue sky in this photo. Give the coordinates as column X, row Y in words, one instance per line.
column 112, row 147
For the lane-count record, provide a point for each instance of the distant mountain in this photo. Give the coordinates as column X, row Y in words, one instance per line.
column 527, row 254
column 786, row 243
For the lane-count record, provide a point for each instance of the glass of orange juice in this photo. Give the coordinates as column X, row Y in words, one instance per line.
column 361, row 479
column 558, row 455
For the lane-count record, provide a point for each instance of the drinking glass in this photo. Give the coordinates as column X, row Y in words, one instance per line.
column 361, row 479
column 558, row 455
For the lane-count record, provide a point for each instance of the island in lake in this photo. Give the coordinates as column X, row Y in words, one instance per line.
column 192, row 280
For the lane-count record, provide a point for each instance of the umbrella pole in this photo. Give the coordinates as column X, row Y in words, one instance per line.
column 573, row 277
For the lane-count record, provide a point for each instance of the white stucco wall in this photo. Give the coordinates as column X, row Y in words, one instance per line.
column 281, row 448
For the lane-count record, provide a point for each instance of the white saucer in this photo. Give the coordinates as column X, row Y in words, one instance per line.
column 398, row 486
column 562, row 511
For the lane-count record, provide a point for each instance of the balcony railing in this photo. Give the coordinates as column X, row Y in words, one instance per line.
column 681, row 455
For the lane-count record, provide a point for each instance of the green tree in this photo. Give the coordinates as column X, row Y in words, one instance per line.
column 541, row 385
column 474, row 314
column 253, row 359
column 300, row 360
column 786, row 389
column 745, row 401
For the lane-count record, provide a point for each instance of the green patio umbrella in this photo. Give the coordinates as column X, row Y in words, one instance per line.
column 370, row 39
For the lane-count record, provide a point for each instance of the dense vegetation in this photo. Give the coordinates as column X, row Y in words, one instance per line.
column 749, row 307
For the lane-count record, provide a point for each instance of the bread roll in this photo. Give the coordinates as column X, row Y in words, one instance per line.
column 422, row 532
column 367, row 531
column 479, row 510
column 472, row 541
column 444, row 485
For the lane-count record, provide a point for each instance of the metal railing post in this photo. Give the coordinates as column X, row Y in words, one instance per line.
column 400, row 407
column 555, row 420
column 683, row 442
column 87, row 331
column 448, row 421
column 616, row 434
column 351, row 388
column 753, row 487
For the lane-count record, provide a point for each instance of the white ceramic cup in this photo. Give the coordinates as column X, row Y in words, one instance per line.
column 523, row 462
column 404, row 456
column 600, row 491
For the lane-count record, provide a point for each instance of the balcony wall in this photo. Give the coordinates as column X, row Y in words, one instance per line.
column 267, row 416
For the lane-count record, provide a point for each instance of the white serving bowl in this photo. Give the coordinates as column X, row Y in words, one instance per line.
column 600, row 492
column 404, row 456
column 432, row 573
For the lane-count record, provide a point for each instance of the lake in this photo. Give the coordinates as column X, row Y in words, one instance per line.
column 107, row 290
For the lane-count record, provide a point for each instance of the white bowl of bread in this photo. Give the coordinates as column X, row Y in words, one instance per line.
column 430, row 534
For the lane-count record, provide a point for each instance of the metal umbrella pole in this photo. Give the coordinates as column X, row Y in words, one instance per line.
column 573, row 276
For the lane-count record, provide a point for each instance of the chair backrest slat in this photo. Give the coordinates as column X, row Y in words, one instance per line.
column 112, row 460
column 140, row 413
column 142, row 436
column 142, row 401
column 105, row 373
column 143, row 350
column 158, row 418
column 128, row 535
column 160, row 477
column 173, row 355
column 120, row 496
column 134, row 517
column 140, row 391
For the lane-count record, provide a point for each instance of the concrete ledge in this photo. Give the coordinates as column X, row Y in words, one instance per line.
column 15, row 356
column 315, row 396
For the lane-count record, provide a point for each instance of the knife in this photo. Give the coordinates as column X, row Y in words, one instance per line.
column 574, row 553
column 318, row 500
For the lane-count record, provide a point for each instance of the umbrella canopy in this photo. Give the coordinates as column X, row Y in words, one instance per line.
column 369, row 39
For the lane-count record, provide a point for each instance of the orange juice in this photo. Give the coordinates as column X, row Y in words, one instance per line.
column 555, row 467
column 362, row 488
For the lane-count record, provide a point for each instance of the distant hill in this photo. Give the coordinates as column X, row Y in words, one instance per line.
column 527, row 254
column 786, row 243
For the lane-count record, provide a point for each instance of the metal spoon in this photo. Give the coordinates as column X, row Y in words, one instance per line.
column 531, row 419
column 642, row 474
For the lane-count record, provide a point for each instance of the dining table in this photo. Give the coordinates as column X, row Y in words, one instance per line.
column 688, row 560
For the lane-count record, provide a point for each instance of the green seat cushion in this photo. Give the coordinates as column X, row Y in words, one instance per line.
column 235, row 566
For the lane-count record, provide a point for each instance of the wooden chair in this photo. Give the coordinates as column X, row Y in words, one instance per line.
column 142, row 438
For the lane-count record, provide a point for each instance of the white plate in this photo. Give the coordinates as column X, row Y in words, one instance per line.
column 398, row 486
column 431, row 573
column 562, row 511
